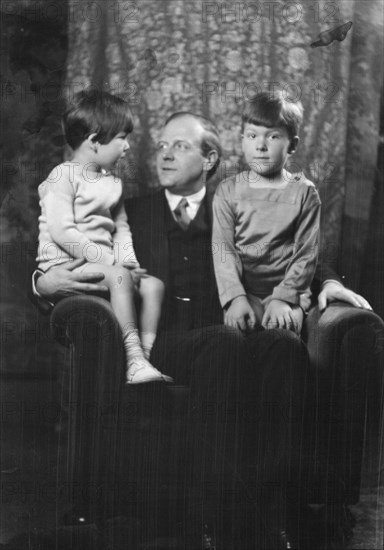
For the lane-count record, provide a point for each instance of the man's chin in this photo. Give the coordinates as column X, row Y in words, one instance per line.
column 167, row 183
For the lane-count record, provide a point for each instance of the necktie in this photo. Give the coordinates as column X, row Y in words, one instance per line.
column 181, row 215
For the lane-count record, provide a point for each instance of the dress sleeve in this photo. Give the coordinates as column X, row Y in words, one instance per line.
column 122, row 237
column 226, row 260
column 58, row 198
column 302, row 266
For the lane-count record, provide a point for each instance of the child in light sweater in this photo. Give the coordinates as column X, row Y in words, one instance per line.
column 83, row 216
column 266, row 224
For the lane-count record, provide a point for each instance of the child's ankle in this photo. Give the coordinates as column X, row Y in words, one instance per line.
column 147, row 341
column 147, row 352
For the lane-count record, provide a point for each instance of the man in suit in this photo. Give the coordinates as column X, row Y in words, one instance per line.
column 246, row 393
column 227, row 404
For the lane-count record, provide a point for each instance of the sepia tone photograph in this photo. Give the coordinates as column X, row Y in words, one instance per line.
column 163, row 162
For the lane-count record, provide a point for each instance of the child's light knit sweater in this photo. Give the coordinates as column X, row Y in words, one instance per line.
column 82, row 216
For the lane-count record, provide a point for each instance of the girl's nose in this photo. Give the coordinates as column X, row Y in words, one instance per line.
column 261, row 144
column 126, row 145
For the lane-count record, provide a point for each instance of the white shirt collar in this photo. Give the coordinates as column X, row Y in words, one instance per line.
column 194, row 201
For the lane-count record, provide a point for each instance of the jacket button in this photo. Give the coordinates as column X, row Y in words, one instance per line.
column 186, row 259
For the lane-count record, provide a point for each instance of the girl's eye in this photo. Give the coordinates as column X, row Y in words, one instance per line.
column 274, row 136
column 251, row 136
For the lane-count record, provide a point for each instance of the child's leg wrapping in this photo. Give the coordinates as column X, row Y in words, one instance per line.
column 119, row 281
column 139, row 370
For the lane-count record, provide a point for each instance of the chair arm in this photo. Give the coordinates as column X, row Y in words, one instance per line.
column 76, row 316
column 325, row 332
column 89, row 327
column 96, row 385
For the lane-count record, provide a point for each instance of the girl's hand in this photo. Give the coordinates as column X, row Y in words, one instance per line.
column 240, row 314
column 278, row 314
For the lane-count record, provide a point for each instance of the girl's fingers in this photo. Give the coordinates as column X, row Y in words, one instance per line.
column 241, row 324
column 288, row 321
column 281, row 322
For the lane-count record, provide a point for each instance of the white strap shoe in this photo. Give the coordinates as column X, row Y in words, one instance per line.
column 142, row 372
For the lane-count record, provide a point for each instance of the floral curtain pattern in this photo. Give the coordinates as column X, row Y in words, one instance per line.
column 210, row 57
column 207, row 57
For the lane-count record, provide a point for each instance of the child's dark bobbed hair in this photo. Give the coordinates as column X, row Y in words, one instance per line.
column 273, row 110
column 96, row 112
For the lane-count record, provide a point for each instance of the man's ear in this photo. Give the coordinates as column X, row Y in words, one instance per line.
column 293, row 145
column 212, row 157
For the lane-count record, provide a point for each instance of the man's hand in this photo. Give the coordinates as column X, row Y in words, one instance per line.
column 240, row 314
column 335, row 291
column 137, row 272
column 61, row 281
column 278, row 314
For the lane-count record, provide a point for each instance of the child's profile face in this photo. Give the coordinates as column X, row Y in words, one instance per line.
column 265, row 149
column 109, row 153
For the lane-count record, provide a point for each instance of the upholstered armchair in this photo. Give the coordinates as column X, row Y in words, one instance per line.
column 345, row 345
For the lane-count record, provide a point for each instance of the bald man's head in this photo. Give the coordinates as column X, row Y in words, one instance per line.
column 210, row 139
column 187, row 153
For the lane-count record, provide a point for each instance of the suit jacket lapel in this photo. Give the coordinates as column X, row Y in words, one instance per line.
column 208, row 201
column 159, row 246
column 148, row 219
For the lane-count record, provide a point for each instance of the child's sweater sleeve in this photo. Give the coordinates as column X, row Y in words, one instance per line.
column 301, row 268
column 122, row 237
column 226, row 260
column 57, row 199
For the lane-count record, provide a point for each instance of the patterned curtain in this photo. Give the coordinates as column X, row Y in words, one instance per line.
column 210, row 57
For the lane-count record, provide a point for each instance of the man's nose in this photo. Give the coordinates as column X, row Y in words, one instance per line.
column 167, row 152
column 126, row 145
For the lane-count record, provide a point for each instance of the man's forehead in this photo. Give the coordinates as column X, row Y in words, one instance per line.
column 185, row 127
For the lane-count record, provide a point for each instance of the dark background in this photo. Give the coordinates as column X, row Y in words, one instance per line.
column 42, row 49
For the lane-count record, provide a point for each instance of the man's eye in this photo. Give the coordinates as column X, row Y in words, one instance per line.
column 181, row 146
column 160, row 146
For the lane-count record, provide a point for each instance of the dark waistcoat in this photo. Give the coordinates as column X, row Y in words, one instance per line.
column 191, row 269
column 182, row 260
column 189, row 251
